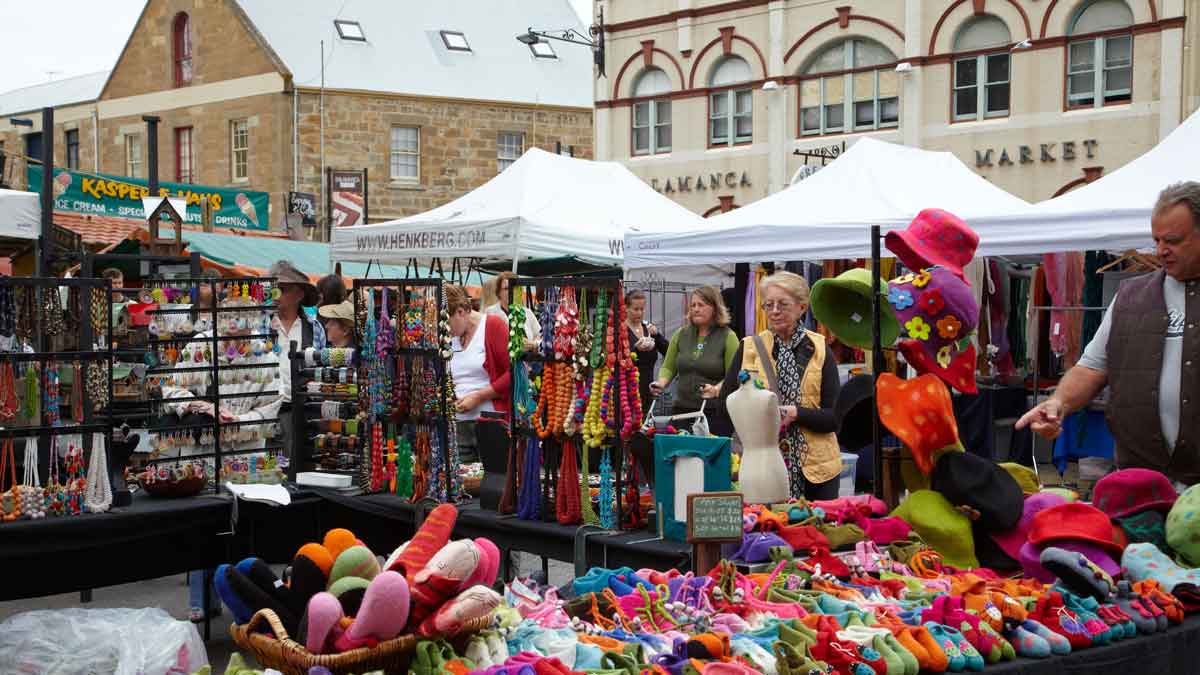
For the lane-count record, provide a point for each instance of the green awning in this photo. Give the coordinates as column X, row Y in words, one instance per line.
column 309, row 257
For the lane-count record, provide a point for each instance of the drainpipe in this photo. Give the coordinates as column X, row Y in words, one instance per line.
column 95, row 140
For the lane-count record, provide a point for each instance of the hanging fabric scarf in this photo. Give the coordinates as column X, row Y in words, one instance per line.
column 98, row 493
column 792, row 441
column 529, row 504
column 569, row 510
column 585, row 488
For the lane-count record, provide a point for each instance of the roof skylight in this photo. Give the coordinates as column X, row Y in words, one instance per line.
column 350, row 30
column 455, row 41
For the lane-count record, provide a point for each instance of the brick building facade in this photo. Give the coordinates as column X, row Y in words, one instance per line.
column 240, row 99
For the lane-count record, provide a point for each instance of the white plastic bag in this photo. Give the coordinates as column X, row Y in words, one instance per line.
column 86, row 641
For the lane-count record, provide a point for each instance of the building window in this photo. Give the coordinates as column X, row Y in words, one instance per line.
column 350, row 30
column 652, row 119
column 981, row 81
column 181, row 34
column 239, row 150
column 133, row 156
column 183, row 155
column 455, row 41
column 406, row 154
column 1100, row 69
column 72, row 148
column 509, row 148
column 731, row 110
column 850, row 86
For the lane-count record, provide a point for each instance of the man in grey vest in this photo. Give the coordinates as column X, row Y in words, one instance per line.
column 1148, row 352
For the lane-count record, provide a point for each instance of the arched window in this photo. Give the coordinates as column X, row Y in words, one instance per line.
column 850, row 85
column 981, row 80
column 651, row 119
column 731, row 110
column 1100, row 67
column 181, row 40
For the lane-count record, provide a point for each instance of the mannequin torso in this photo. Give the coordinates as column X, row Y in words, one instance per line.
column 755, row 415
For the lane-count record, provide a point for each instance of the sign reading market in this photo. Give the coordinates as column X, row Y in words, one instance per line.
column 121, row 197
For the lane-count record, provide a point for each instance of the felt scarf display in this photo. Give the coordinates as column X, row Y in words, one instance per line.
column 529, row 504
column 585, row 490
column 508, row 499
column 569, row 509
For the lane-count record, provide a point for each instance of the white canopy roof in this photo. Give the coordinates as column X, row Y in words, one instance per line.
column 20, row 214
column 828, row 215
column 544, row 205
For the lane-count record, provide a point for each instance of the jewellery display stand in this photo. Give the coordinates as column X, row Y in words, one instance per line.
column 596, row 302
column 243, row 306
column 325, row 405
column 42, row 332
column 405, row 392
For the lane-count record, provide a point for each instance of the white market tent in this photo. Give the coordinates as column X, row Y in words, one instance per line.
column 829, row 214
column 20, row 214
column 544, row 206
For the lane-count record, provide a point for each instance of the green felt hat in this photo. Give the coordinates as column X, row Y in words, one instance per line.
column 1183, row 526
column 843, row 305
column 942, row 526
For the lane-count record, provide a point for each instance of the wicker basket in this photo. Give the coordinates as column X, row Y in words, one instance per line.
column 284, row 654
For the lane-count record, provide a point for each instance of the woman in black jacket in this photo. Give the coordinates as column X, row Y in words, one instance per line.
column 647, row 343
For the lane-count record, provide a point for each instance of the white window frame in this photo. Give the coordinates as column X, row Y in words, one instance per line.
column 133, row 155
column 731, row 117
column 652, row 126
column 981, row 72
column 1099, row 69
column 239, row 155
column 504, row 156
column 849, row 119
column 350, row 30
column 448, row 39
column 396, row 152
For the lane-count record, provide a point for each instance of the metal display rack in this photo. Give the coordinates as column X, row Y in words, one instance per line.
column 613, row 286
column 305, row 402
column 398, row 292
column 214, row 370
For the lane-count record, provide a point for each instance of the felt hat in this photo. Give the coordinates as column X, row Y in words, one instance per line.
column 1147, row 527
column 349, row 591
column 965, row 479
column 237, row 607
column 884, row 531
column 1073, row 520
column 1146, row 561
column 989, row 553
column 920, row 414
column 934, row 237
column 342, row 310
column 1079, row 574
column 356, row 561
column 943, row 527
column 756, row 546
column 383, row 614
column 1025, row 477
column 1012, row 539
column 937, row 312
column 306, row 581
column 321, row 620
column 1183, row 526
column 843, row 305
column 319, row 555
column 1130, row 491
column 339, row 539
column 285, row 273
column 855, row 408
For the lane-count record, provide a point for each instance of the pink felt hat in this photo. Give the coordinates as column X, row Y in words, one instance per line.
column 1012, row 540
column 934, row 237
column 1130, row 491
column 884, row 531
column 324, row 617
column 383, row 614
column 1030, row 557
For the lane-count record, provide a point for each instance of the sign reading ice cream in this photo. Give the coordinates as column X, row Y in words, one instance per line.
column 121, row 197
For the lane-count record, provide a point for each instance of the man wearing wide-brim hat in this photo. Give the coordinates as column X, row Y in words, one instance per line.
column 291, row 323
column 1148, row 352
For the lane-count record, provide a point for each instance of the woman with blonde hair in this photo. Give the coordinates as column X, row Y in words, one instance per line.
column 799, row 367
column 698, row 356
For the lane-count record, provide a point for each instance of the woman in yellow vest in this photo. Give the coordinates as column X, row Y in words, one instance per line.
column 799, row 367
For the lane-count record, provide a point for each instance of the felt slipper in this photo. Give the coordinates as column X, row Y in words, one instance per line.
column 261, row 574
column 929, row 654
column 1059, row 644
column 1152, row 590
column 383, row 614
column 1101, row 632
column 429, row 539
column 256, row 598
column 1028, row 644
column 489, row 564
column 241, row 613
column 474, row 603
column 322, row 618
column 1051, row 613
column 911, row 665
column 962, row 656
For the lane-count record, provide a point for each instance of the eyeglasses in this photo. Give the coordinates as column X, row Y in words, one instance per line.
column 772, row 305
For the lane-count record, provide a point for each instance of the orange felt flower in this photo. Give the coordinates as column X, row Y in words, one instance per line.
column 948, row 327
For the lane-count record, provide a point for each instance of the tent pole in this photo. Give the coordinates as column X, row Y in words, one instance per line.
column 876, row 361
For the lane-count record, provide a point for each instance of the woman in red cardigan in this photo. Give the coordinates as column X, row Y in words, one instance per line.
column 479, row 365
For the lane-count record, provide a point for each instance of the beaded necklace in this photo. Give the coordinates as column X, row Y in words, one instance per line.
column 583, row 341
column 77, row 393
column 445, row 340
column 98, row 488
column 420, row 463
column 566, row 325
column 10, row 499
column 568, row 507
column 376, row 457
column 33, row 495
column 32, row 392
column 585, row 489
column 404, row 466
column 598, row 332
column 594, row 431
column 8, row 392
column 516, row 327
column 50, row 391
column 607, row 518
column 524, row 403
column 414, row 322
column 8, row 311
column 547, row 316
column 437, row 467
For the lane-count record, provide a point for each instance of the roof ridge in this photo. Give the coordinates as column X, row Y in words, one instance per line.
column 58, row 81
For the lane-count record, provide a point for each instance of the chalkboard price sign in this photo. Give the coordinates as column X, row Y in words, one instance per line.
column 714, row 517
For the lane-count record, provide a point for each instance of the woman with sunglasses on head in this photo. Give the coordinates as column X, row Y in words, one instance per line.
column 646, row 341
column 807, row 378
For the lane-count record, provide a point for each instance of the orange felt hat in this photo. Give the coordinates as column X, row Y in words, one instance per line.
column 338, row 540
column 919, row 413
column 319, row 555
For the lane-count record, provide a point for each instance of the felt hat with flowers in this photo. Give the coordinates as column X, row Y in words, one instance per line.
column 843, row 305
column 920, row 414
column 937, row 313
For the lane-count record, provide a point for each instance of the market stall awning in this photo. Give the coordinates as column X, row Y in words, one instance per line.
column 20, row 214
column 829, row 214
column 312, row 258
column 543, row 206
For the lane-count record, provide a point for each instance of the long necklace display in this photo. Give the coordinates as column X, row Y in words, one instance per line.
column 98, row 489
column 516, row 327
column 421, row 463
column 404, row 466
column 8, row 311
column 33, row 495
column 585, row 489
column 31, row 393
column 8, row 392
column 376, row 456
column 50, row 394
column 437, row 467
column 568, row 507
column 608, row 519
column 10, row 498
column 453, row 459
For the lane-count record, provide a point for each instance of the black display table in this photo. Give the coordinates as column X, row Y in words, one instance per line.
column 1172, row 652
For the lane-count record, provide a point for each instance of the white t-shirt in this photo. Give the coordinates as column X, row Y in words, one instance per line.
column 466, row 366
column 284, row 339
column 533, row 327
column 1095, row 356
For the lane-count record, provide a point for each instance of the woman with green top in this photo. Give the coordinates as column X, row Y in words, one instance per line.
column 698, row 357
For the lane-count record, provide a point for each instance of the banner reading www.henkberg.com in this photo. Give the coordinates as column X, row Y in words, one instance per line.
column 121, row 197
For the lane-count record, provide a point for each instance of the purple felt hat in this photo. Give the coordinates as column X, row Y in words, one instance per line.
column 1012, row 540
column 1030, row 557
column 756, row 547
column 937, row 312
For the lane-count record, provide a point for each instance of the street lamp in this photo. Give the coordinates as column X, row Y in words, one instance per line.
column 594, row 39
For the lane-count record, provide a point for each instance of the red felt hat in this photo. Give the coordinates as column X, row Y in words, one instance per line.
column 1073, row 520
column 934, row 237
column 803, row 537
column 1129, row 491
column 958, row 373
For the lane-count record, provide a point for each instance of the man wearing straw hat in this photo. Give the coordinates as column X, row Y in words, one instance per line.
column 1147, row 351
